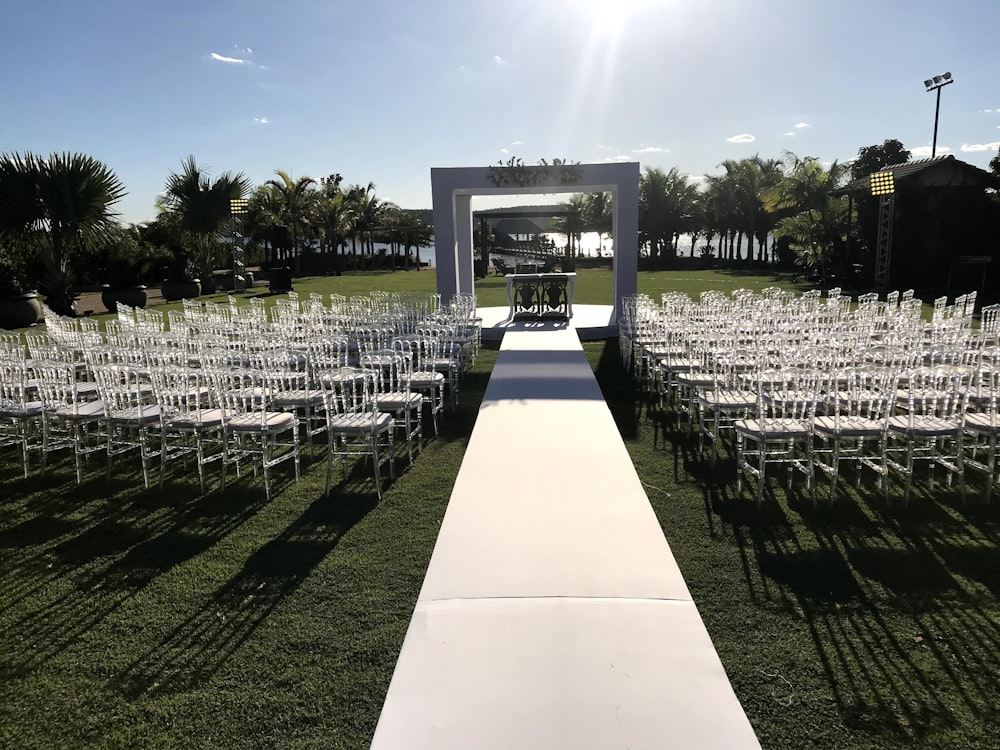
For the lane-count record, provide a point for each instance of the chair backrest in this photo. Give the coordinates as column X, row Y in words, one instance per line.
column 241, row 392
column 58, row 387
column 181, row 391
column 355, row 394
column 936, row 392
column 13, row 383
column 867, row 391
column 121, row 387
column 793, row 392
column 391, row 370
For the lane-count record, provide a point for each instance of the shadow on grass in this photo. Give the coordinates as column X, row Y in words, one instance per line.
column 887, row 612
column 75, row 571
column 201, row 644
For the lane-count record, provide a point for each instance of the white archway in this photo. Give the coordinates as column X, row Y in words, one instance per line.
column 452, row 189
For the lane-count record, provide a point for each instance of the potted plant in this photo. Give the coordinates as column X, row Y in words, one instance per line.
column 127, row 259
column 123, row 286
column 62, row 206
column 179, row 277
column 20, row 305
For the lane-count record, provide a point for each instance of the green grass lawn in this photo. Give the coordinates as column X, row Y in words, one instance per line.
column 853, row 627
column 133, row 618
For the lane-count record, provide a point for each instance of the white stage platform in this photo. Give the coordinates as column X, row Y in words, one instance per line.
column 591, row 322
column 553, row 613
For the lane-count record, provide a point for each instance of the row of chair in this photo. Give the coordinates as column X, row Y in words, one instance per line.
column 809, row 382
column 226, row 395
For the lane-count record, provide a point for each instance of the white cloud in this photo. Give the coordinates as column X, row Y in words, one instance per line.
column 981, row 146
column 498, row 60
column 504, row 151
column 620, row 157
column 223, row 58
column 742, row 138
column 517, row 143
column 262, row 121
column 802, row 125
column 650, row 150
column 790, row 132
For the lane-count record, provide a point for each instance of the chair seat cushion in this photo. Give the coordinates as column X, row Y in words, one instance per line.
column 304, row 397
column 85, row 412
column 204, row 420
column 268, row 421
column 137, row 415
column 399, row 400
column 728, row 399
column 425, row 378
column 848, row 426
column 983, row 422
column 21, row 411
column 925, row 426
column 773, row 429
column 359, row 424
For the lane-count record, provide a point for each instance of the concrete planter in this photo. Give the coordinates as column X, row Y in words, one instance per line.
column 183, row 289
column 133, row 296
column 20, row 310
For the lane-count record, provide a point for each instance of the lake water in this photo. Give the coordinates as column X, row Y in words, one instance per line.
column 589, row 244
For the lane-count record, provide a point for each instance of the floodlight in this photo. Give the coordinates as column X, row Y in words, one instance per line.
column 882, row 183
column 239, row 206
column 935, row 84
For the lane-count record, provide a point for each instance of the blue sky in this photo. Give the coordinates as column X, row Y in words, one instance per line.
column 383, row 90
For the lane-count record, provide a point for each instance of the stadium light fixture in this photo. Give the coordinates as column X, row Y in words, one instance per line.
column 936, row 84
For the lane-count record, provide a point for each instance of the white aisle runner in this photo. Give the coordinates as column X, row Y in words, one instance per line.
column 553, row 614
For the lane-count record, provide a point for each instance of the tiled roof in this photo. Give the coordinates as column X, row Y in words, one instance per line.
column 942, row 171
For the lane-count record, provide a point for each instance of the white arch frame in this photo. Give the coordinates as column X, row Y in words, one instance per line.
column 452, row 189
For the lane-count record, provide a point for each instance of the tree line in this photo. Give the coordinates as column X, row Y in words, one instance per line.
column 58, row 226
column 57, row 219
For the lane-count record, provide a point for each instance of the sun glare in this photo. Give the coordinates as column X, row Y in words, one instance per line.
column 609, row 17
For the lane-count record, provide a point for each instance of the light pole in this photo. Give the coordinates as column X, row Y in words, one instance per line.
column 883, row 185
column 238, row 208
column 936, row 84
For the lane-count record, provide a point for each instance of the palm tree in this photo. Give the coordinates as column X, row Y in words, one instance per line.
column 64, row 201
column 263, row 214
column 333, row 215
column 573, row 224
column 666, row 209
column 202, row 208
column 369, row 213
column 597, row 210
column 296, row 196
column 816, row 224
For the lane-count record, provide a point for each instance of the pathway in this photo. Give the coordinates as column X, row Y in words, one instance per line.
column 553, row 614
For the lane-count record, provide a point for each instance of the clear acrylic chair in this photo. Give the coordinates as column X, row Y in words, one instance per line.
column 782, row 431
column 424, row 379
column 251, row 427
column 356, row 426
column 131, row 418
column 855, row 423
column 391, row 372
column 74, row 418
column 22, row 415
column 187, row 413
column 930, row 429
column 982, row 428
